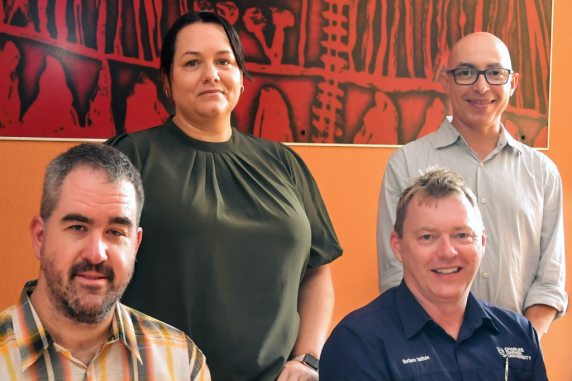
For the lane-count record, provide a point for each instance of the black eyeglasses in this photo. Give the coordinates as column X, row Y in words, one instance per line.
column 468, row 76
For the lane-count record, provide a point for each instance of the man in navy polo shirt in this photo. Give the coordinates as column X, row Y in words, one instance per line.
column 431, row 327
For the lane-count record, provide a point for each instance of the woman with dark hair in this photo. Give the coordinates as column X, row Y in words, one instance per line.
column 237, row 238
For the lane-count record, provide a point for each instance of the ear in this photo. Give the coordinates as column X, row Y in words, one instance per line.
column 514, row 83
column 483, row 240
column 139, row 237
column 38, row 233
column 395, row 243
column 166, row 86
column 445, row 81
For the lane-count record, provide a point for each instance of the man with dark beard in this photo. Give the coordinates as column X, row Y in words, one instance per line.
column 69, row 324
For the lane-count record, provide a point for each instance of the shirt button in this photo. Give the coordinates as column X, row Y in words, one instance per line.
column 483, row 200
column 486, row 275
column 482, row 165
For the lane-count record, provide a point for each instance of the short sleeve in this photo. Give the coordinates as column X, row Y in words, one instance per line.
column 325, row 246
column 347, row 356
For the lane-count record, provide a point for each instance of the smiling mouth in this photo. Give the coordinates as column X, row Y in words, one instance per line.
column 480, row 103
column 452, row 270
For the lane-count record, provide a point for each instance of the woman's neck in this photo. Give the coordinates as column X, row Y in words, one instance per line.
column 215, row 131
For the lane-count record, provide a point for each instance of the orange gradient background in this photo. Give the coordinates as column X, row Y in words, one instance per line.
column 349, row 179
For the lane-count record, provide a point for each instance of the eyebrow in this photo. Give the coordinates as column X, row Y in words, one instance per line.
column 456, row 228
column 194, row 53
column 425, row 229
column 470, row 65
column 75, row 217
column 121, row 221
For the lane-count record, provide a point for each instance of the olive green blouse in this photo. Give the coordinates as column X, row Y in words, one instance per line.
column 228, row 231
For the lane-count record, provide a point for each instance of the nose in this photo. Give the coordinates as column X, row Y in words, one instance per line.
column 446, row 248
column 210, row 73
column 95, row 249
column 481, row 86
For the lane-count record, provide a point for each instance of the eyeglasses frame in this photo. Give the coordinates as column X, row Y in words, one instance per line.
column 479, row 72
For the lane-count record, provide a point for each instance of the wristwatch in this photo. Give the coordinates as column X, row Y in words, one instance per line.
column 309, row 360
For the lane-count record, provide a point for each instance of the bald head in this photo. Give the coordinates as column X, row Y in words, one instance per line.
column 478, row 105
column 479, row 44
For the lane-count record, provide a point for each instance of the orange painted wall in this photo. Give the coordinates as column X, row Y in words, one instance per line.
column 349, row 178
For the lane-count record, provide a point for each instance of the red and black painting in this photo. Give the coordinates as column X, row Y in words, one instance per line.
column 325, row 71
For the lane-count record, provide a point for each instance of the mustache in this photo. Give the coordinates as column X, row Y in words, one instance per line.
column 100, row 268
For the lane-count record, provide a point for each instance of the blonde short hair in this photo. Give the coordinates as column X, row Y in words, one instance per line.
column 435, row 183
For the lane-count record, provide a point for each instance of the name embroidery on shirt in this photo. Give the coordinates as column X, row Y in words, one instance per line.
column 416, row 359
column 513, row 353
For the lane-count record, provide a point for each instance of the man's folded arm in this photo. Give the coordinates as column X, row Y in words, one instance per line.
column 548, row 286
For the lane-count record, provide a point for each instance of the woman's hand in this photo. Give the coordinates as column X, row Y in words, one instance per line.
column 296, row 371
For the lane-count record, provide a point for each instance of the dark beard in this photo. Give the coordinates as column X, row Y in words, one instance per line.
column 67, row 301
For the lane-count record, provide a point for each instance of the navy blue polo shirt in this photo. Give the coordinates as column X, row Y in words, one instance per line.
column 393, row 338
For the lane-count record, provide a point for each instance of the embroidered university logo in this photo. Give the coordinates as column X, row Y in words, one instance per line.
column 513, row 353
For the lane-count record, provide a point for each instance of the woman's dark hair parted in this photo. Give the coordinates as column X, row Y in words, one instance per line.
column 168, row 51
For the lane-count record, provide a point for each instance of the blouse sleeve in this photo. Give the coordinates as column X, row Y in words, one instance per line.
column 325, row 246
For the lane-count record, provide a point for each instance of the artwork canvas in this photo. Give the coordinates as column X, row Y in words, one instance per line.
column 361, row 72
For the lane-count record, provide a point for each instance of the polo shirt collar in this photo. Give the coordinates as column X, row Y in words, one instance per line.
column 414, row 317
column 447, row 135
column 33, row 339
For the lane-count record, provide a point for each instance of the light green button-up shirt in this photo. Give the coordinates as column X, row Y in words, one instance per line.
column 519, row 192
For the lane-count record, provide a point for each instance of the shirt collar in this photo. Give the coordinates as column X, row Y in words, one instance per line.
column 414, row 317
column 123, row 329
column 33, row 339
column 475, row 316
column 447, row 135
column 506, row 138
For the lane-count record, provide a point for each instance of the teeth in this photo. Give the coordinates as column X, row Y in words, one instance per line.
column 447, row 271
column 481, row 103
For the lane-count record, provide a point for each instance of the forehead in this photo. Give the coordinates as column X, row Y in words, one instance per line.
column 88, row 192
column 481, row 51
column 201, row 36
column 443, row 213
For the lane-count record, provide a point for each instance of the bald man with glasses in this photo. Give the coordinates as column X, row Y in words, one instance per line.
column 519, row 189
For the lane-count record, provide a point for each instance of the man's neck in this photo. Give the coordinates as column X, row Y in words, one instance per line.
column 482, row 140
column 449, row 317
column 82, row 340
column 449, row 314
